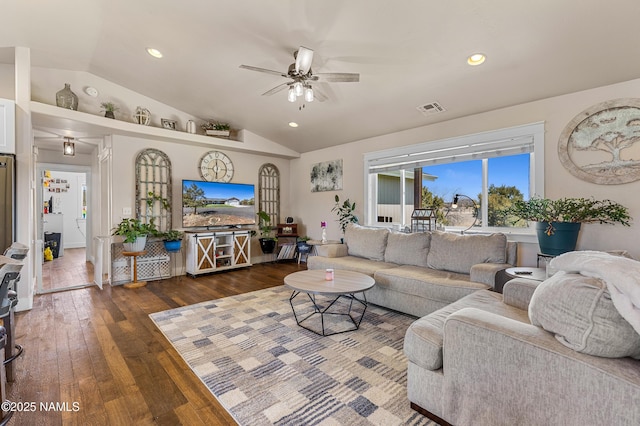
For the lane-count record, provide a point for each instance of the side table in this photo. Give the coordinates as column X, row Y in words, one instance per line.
column 536, row 274
column 135, row 283
column 314, row 243
column 505, row 275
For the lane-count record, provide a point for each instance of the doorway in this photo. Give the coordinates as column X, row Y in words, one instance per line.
column 64, row 200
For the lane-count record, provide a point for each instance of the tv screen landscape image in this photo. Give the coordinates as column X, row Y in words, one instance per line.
column 217, row 204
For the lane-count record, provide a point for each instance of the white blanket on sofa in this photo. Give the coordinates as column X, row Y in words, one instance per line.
column 621, row 274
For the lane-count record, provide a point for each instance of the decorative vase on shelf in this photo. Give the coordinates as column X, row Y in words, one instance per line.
column 65, row 98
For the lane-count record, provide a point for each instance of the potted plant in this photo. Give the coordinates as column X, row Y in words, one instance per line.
column 109, row 109
column 559, row 221
column 172, row 240
column 215, row 128
column 345, row 212
column 135, row 233
column 267, row 240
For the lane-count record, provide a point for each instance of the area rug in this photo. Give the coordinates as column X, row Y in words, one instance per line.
column 265, row 369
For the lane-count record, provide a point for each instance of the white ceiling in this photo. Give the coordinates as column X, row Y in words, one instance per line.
column 408, row 53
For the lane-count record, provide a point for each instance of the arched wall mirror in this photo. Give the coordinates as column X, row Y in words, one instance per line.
column 269, row 191
column 153, row 188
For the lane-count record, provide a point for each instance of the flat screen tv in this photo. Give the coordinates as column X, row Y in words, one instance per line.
column 217, row 204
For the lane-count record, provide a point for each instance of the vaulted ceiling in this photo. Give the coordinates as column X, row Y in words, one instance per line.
column 408, row 53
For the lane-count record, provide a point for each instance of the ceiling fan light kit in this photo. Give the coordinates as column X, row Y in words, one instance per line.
column 308, row 94
column 301, row 75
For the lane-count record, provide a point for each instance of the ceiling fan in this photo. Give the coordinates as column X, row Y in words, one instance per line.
column 302, row 77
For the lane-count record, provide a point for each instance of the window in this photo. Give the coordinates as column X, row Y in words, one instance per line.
column 497, row 166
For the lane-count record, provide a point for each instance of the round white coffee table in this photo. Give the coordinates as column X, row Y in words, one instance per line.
column 345, row 284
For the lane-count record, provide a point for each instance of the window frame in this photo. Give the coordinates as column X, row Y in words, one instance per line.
column 464, row 145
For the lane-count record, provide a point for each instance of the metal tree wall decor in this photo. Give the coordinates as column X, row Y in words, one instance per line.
column 602, row 144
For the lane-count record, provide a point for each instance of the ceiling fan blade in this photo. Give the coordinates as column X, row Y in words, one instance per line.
column 264, row 70
column 336, row 77
column 278, row 88
column 304, row 57
column 319, row 95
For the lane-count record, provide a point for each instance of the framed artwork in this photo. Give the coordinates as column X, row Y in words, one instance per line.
column 326, row 176
column 602, row 144
column 168, row 124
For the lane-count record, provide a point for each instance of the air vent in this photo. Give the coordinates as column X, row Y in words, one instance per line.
column 430, row 109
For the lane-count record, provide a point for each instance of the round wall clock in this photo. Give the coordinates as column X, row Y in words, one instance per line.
column 215, row 166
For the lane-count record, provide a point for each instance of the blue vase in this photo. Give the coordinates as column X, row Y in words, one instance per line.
column 172, row 246
column 564, row 238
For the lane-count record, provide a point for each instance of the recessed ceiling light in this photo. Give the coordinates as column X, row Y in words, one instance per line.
column 476, row 59
column 91, row 91
column 154, row 52
column 293, row 124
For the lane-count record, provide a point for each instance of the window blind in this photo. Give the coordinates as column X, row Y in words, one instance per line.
column 440, row 153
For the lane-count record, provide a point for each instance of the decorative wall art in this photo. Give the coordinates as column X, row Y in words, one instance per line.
column 602, row 144
column 326, row 176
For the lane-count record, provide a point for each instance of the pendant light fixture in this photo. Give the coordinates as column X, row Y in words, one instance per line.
column 68, row 147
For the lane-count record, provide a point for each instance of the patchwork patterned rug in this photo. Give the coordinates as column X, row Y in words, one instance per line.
column 265, row 369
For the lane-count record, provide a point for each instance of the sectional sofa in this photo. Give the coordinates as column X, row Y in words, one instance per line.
column 552, row 353
column 421, row 272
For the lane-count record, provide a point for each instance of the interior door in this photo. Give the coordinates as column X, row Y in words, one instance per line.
column 103, row 216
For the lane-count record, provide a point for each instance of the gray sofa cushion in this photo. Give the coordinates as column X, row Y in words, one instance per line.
column 458, row 253
column 369, row 243
column 350, row 263
column 408, row 249
column 424, row 338
column 579, row 311
column 440, row 286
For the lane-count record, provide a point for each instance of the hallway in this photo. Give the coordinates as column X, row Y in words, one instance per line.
column 67, row 271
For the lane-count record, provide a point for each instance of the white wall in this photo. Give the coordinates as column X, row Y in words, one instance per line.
column 46, row 82
column 7, row 81
column 555, row 112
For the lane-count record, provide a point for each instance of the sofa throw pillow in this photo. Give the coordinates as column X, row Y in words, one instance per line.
column 458, row 253
column 578, row 310
column 408, row 249
column 366, row 242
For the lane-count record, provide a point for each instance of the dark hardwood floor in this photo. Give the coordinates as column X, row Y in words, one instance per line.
column 99, row 349
column 71, row 269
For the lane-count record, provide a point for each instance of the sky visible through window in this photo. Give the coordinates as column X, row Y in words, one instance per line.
column 466, row 177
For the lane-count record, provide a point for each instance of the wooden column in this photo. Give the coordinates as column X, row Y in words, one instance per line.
column 417, row 188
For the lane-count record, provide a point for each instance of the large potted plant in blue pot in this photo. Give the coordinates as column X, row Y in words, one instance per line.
column 559, row 221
